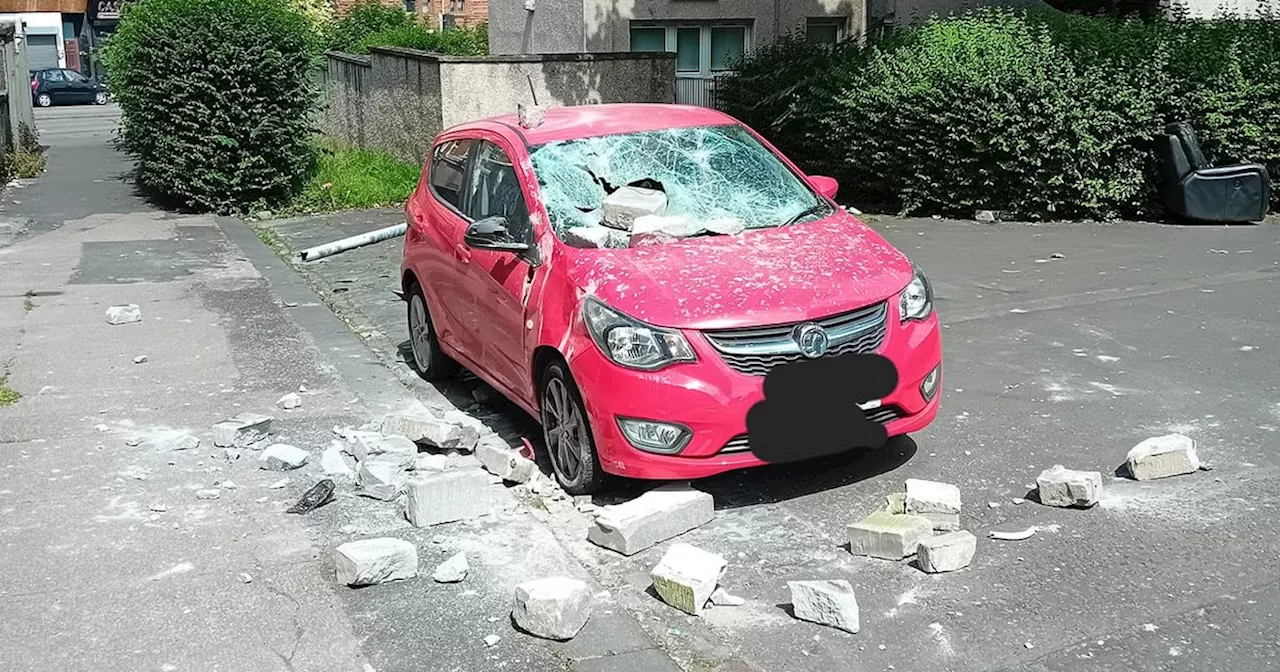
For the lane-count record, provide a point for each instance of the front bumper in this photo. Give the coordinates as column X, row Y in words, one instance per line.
column 712, row 400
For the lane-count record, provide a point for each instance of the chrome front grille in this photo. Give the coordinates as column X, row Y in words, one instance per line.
column 883, row 415
column 756, row 351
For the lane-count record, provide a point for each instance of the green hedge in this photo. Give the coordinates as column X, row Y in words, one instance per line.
column 1042, row 114
column 363, row 19
column 454, row 41
column 216, row 100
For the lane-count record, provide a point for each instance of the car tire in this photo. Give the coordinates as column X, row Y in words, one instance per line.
column 567, row 432
column 44, row 100
column 100, row 98
column 427, row 358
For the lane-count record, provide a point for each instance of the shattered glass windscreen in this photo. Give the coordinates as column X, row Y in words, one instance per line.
column 708, row 173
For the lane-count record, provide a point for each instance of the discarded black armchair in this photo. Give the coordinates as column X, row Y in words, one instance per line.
column 1195, row 190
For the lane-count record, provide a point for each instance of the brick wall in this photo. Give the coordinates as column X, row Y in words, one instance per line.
column 466, row 12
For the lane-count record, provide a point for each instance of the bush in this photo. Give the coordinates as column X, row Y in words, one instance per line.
column 355, row 178
column 454, row 41
column 1040, row 115
column 28, row 157
column 216, row 100
column 366, row 18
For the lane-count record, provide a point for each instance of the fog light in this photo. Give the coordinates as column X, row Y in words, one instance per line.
column 655, row 437
column 930, row 385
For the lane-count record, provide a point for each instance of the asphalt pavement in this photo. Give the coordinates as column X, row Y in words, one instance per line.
column 1064, row 344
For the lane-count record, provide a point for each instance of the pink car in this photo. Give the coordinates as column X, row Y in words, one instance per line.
column 629, row 274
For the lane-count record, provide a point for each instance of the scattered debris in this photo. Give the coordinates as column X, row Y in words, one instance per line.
column 888, row 535
column 392, row 447
column 334, row 463
column 289, row 401
column 231, row 454
column 584, row 504
column 431, row 462
column 830, row 603
column 245, row 577
column 1014, row 536
column 505, row 463
column 1059, row 486
column 492, row 640
column 447, row 496
column 242, row 431
column 627, row 204
column 140, row 359
column 986, row 216
column 284, row 482
column 939, row 502
column 723, row 598
column 282, row 457
column 136, row 472
column 134, row 441
column 1163, row 456
column 208, row 493
column 371, row 561
column 896, row 502
column 1018, row 500
column 423, row 427
column 228, row 485
column 452, row 570
column 317, row 496
column 159, row 507
column 686, row 576
column 1057, row 255
column 179, row 442
column 552, row 608
column 657, row 515
column 124, row 314
column 993, row 505
column 382, row 479
column 947, row 552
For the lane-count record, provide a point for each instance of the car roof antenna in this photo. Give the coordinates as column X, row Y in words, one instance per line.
column 531, row 115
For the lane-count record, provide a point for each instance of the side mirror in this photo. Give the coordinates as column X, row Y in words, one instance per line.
column 491, row 233
column 827, row 186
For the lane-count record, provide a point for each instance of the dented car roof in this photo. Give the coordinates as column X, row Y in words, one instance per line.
column 584, row 121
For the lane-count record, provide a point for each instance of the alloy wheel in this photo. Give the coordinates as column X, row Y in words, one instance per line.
column 420, row 334
column 43, row 100
column 565, row 429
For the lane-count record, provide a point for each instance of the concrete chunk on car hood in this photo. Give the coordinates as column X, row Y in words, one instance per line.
column 766, row 276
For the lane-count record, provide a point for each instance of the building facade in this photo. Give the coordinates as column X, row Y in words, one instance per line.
column 50, row 30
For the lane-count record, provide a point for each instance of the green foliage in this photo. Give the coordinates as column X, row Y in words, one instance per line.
column 28, row 160
column 454, row 41
column 319, row 14
column 1038, row 114
column 8, row 395
column 355, row 178
column 216, row 100
column 366, row 18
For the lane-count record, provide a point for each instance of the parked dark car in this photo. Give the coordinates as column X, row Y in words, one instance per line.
column 61, row 86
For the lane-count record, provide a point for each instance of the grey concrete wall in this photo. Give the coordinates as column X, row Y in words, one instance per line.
column 479, row 89
column 554, row 27
column 910, row 11
column 398, row 100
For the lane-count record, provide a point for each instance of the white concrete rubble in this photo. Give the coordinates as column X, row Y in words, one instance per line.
column 124, row 314
column 651, row 518
column 552, row 608
column 686, row 576
column 447, row 496
column 432, row 462
column 492, row 640
column 381, row 480
column 887, row 535
column 505, row 463
column 208, row 493
column 624, row 205
column 723, row 598
column 334, row 462
column 242, row 431
column 422, row 427
column 371, row 561
column 1059, row 486
column 452, row 570
column 939, row 502
column 367, row 444
column 289, row 401
column 896, row 502
column 825, row 602
column 282, row 457
column 947, row 552
column 1162, row 457
column 595, row 236
column 406, row 423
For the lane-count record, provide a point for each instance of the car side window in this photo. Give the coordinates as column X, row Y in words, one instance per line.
column 74, row 76
column 448, row 167
column 495, row 190
column 53, row 76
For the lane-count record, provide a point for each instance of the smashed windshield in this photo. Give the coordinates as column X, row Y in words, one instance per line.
column 655, row 186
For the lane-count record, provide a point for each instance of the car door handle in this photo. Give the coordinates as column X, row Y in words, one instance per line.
column 462, row 252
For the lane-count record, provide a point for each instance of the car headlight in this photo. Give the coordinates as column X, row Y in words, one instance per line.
column 916, row 300
column 631, row 343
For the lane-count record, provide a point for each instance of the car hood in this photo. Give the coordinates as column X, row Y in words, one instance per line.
column 770, row 276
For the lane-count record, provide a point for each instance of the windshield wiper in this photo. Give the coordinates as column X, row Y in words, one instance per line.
column 811, row 210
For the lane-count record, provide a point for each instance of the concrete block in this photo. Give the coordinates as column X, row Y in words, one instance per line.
column 829, row 603
column 1163, row 456
column 889, row 536
column 932, row 497
column 623, row 206
column 946, row 522
column 552, row 608
column 423, row 427
column 452, row 570
column 686, row 577
column 334, row 463
column 382, row 480
column 124, row 314
column 282, row 457
column 447, row 496
column 505, row 463
column 1064, row 487
column 432, row 462
column 371, row 561
column 896, row 502
column 947, row 552
column 368, row 444
column 651, row 518
column 242, row 431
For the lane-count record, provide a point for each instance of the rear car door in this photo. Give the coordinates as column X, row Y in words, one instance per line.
column 79, row 88
column 499, row 282
column 436, row 227
column 55, row 84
